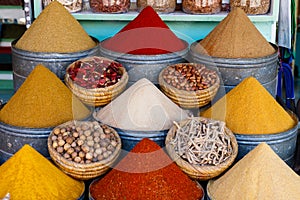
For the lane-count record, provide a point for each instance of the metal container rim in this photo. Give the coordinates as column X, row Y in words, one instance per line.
column 52, row 55
column 157, row 58
column 235, row 61
column 267, row 137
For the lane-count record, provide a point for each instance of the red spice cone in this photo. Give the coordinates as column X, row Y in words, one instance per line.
column 166, row 182
column 147, row 34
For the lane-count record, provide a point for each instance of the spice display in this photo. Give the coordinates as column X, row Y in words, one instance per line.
column 235, row 37
column 202, row 142
column 252, row 7
column 260, row 174
column 202, row 6
column 110, row 6
column 29, row 175
column 70, row 5
column 95, row 72
column 42, row 101
column 147, row 34
column 190, row 77
column 250, row 109
column 164, row 6
column 146, row 173
column 142, row 107
column 55, row 30
column 84, row 141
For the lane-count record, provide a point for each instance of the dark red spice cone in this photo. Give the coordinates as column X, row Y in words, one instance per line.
column 147, row 34
column 166, row 182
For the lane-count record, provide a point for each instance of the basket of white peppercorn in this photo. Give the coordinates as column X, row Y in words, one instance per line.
column 84, row 149
column 189, row 85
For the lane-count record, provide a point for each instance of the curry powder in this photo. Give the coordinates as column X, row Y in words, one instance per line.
column 250, row 109
column 42, row 101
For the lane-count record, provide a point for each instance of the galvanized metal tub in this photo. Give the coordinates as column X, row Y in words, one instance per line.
column 14, row 138
column 23, row 62
column 130, row 138
column 270, row 86
column 145, row 66
column 234, row 70
column 283, row 144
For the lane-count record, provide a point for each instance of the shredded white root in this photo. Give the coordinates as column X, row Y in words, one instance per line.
column 202, row 142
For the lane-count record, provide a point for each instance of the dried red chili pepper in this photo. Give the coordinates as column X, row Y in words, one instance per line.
column 148, row 174
column 95, row 73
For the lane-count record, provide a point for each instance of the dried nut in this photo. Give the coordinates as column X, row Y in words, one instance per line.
column 81, row 154
column 88, row 156
column 189, row 76
column 77, row 159
column 56, row 131
column 61, row 143
column 84, row 142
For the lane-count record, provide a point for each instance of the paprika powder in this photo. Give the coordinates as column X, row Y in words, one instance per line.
column 146, row 172
column 147, row 34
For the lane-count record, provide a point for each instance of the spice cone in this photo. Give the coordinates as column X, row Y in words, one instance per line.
column 235, row 37
column 29, row 175
column 42, row 101
column 55, row 30
column 260, row 174
column 142, row 107
column 250, row 109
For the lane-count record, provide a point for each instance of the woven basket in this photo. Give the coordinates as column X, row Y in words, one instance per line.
column 84, row 171
column 188, row 99
column 97, row 96
column 199, row 172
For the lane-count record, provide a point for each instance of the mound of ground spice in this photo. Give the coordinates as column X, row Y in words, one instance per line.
column 260, row 174
column 142, row 107
column 42, row 101
column 147, row 34
column 146, row 172
column 235, row 37
column 29, row 175
column 55, row 30
column 250, row 109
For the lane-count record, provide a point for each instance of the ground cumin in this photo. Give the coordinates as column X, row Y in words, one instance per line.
column 235, row 37
column 42, row 101
column 142, row 107
column 260, row 174
column 146, row 172
column 250, row 109
column 29, row 175
column 55, row 30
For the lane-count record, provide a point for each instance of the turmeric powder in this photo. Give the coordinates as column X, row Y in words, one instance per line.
column 250, row 109
column 55, row 30
column 29, row 175
column 42, row 101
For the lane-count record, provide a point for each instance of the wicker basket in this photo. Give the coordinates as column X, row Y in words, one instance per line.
column 189, row 99
column 83, row 171
column 97, row 96
column 199, row 172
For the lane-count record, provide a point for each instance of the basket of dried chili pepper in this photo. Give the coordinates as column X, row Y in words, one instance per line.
column 189, row 85
column 96, row 80
column 203, row 148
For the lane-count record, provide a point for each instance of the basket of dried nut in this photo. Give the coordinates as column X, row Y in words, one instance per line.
column 189, row 85
column 203, row 148
column 96, row 80
column 84, row 149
